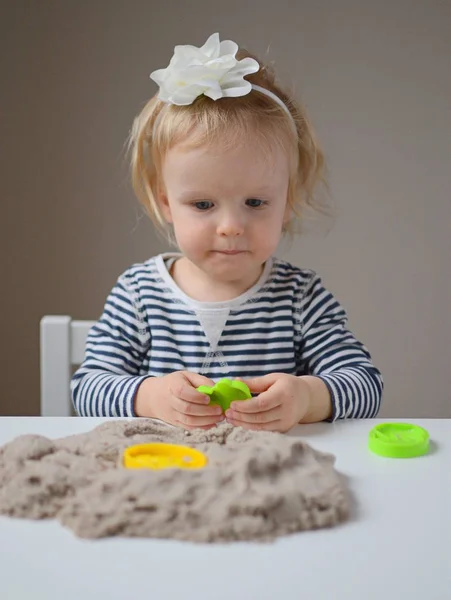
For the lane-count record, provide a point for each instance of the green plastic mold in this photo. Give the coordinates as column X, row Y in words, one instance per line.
column 398, row 440
column 226, row 391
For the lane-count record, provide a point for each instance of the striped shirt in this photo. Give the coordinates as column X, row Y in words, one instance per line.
column 287, row 323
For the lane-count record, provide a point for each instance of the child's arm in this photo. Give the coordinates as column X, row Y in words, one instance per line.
column 107, row 381
column 331, row 352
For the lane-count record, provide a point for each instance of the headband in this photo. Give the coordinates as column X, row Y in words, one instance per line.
column 212, row 71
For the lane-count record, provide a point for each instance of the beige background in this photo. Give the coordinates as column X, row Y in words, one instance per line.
column 375, row 77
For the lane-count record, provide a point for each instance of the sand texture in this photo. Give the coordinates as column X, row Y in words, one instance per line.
column 256, row 486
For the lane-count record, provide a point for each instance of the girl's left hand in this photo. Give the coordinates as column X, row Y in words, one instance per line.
column 282, row 402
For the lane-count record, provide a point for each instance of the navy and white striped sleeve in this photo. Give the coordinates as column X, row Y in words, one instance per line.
column 331, row 352
column 108, row 379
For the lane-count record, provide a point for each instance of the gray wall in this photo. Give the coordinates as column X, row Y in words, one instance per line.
column 375, row 76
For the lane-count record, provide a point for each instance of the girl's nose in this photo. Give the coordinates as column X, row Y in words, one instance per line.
column 230, row 225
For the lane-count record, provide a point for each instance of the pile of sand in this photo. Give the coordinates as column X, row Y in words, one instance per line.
column 256, row 486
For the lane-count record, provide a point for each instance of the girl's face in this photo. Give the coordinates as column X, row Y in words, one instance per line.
column 227, row 207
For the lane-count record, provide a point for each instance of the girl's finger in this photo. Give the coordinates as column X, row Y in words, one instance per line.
column 261, row 384
column 195, row 379
column 194, row 409
column 261, row 403
column 189, row 394
column 269, row 416
column 189, row 421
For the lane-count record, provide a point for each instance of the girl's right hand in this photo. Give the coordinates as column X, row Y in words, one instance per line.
column 174, row 399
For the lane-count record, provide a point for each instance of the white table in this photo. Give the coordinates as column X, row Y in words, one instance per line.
column 397, row 545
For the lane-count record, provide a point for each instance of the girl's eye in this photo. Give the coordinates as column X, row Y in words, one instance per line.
column 255, row 202
column 203, row 205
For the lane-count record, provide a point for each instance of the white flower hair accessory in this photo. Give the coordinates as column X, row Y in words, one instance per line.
column 211, row 70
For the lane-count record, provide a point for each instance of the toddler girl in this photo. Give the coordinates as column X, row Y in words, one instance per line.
column 224, row 162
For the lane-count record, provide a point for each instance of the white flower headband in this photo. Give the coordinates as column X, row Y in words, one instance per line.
column 211, row 70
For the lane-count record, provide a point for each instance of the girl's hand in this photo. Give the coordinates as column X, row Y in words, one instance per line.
column 174, row 399
column 282, row 401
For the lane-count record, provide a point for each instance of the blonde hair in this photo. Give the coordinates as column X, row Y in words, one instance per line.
column 227, row 121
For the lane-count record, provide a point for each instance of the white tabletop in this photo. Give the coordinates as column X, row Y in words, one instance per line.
column 397, row 544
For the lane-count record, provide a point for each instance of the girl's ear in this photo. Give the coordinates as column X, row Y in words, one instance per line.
column 163, row 203
column 287, row 214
